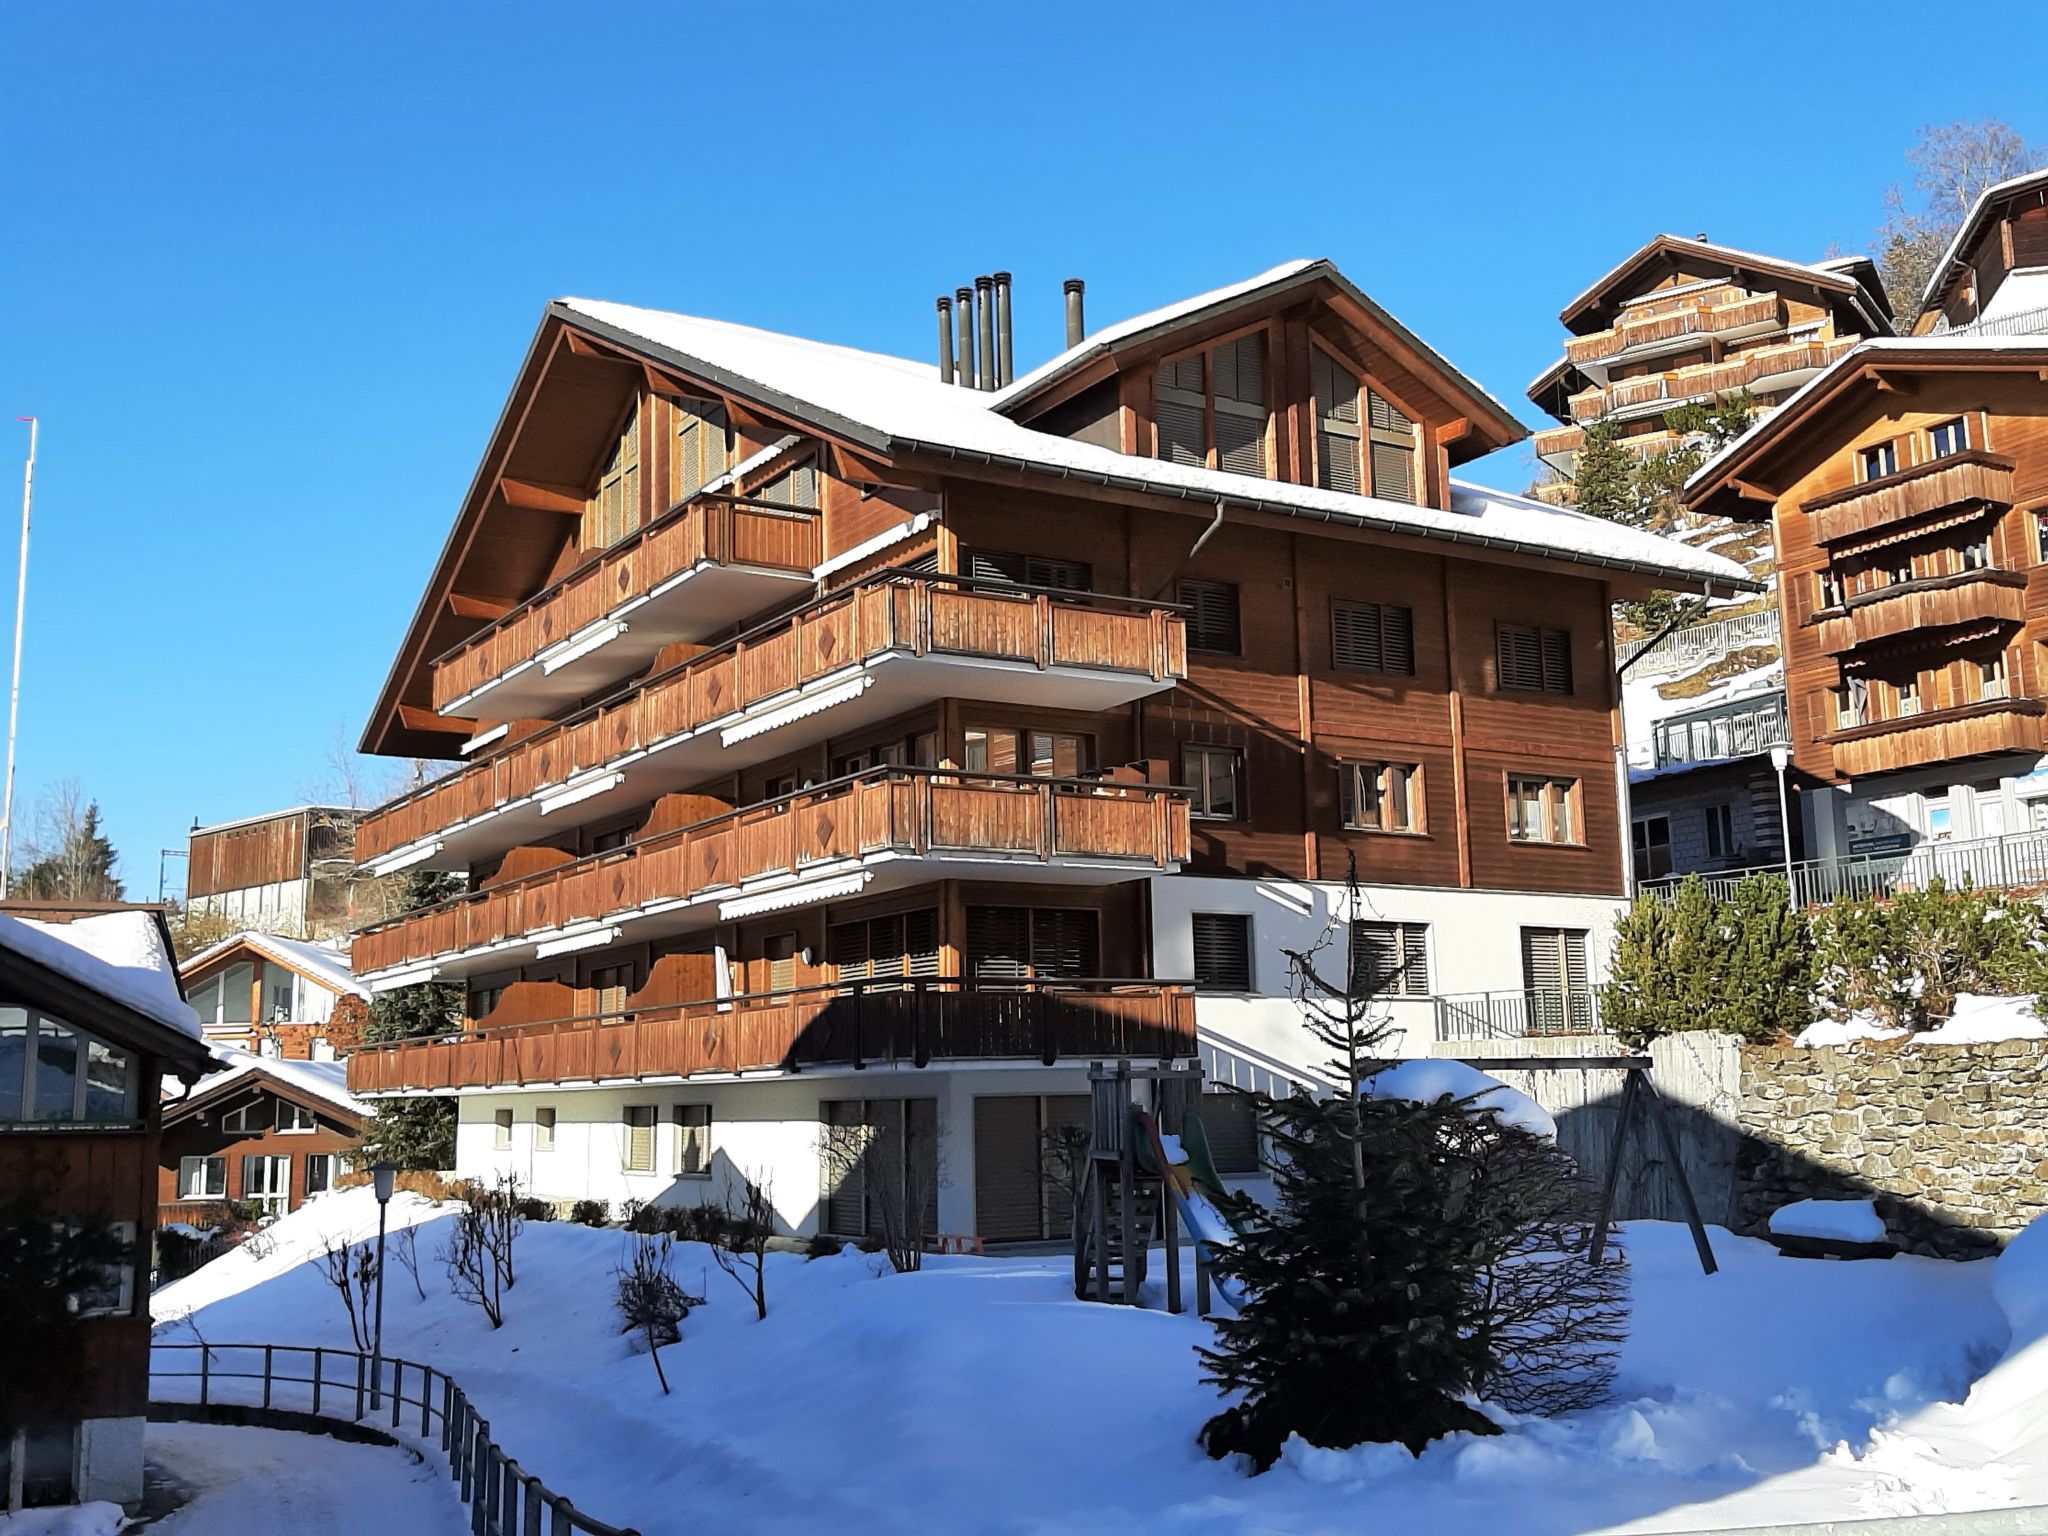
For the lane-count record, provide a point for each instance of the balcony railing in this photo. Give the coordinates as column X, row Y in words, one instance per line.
column 1937, row 736
column 1932, row 603
column 1739, row 728
column 1002, row 819
column 1955, row 479
column 1700, row 380
column 882, row 615
column 2013, row 861
column 1525, row 1011
column 709, row 529
column 1693, row 647
column 1699, row 319
column 893, row 1022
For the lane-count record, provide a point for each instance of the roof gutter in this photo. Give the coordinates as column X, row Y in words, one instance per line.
column 1288, row 509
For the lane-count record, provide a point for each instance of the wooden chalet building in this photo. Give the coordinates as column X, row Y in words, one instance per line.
column 1993, row 278
column 90, row 1021
column 1688, row 321
column 265, row 1133
column 286, row 872
column 273, row 996
column 846, row 741
column 1908, row 489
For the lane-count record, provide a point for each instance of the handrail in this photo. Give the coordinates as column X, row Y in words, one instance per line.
column 2001, row 862
column 504, row 1498
column 881, row 773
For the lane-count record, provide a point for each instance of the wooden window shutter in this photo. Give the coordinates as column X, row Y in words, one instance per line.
column 1223, row 951
column 1177, row 410
column 1397, row 639
column 693, row 1138
column 1240, row 368
column 640, row 1138
column 1557, row 660
column 1375, row 956
column 1393, row 439
column 847, row 947
column 689, row 453
column 1414, row 959
column 998, row 943
column 921, row 942
column 1231, row 1124
column 1337, row 426
column 1212, row 615
column 1355, row 636
column 1064, row 942
column 780, row 949
column 1518, row 657
column 842, row 1136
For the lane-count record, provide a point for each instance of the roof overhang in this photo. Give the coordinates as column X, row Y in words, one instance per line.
column 1841, row 283
column 25, row 980
column 231, row 1087
column 1950, row 265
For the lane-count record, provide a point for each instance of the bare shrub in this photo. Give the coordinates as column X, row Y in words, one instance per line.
column 351, row 1268
column 478, row 1253
column 650, row 1301
column 406, row 1244
column 742, row 1248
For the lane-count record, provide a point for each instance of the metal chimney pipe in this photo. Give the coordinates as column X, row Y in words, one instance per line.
column 1076, row 330
column 963, row 305
column 985, row 329
column 945, row 340
column 1004, row 359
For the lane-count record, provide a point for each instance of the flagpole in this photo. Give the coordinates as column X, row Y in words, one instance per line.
column 28, row 483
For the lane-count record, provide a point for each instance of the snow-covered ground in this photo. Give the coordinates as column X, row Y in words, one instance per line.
column 265, row 1482
column 1977, row 1020
column 980, row 1395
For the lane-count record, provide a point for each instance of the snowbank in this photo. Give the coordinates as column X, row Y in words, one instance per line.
column 1841, row 1221
column 1427, row 1079
column 95, row 1519
column 1978, row 1020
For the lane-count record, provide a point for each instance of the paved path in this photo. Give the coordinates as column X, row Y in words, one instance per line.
column 268, row 1482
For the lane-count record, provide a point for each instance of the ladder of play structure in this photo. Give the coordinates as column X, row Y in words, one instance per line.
column 1099, row 1260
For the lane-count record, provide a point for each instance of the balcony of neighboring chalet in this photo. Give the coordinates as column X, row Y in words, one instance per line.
column 869, row 832
column 895, row 1022
column 1726, row 313
column 701, row 568
column 1969, row 479
column 875, row 648
column 1769, row 369
column 1963, row 603
column 1977, row 729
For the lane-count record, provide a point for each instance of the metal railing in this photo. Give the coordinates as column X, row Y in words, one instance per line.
column 414, row 1400
column 2021, row 322
column 1698, row 644
column 2007, row 862
column 1738, row 728
column 1518, row 1013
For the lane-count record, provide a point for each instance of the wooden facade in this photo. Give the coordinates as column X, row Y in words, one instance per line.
column 1906, row 495
column 2006, row 231
column 239, row 1119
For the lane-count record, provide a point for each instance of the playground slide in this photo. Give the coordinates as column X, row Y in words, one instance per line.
column 1190, row 1177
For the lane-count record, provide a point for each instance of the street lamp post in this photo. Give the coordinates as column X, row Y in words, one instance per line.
column 1781, row 759
column 383, row 1176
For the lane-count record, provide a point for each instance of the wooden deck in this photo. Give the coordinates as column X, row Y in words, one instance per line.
column 872, row 1023
column 1932, row 604
column 922, row 616
column 1938, row 736
column 908, row 811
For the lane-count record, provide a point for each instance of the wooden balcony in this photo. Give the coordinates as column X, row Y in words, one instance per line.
column 872, row 649
column 702, row 568
column 1955, row 479
column 869, row 832
column 893, row 1023
column 1913, row 741
column 1774, row 366
column 1730, row 314
column 1935, row 603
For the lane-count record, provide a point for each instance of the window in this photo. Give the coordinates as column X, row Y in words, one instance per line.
column 613, row 984
column 1555, row 988
column 51, row 1072
column 1541, row 810
column 294, row 1118
column 319, row 1173
column 1338, row 429
column 1533, row 658
column 797, row 487
column 1215, row 777
column 1047, row 754
column 2041, row 534
column 249, row 1119
column 892, row 1143
column 1372, row 637
column 693, row 1140
column 1027, row 570
column 618, row 488
column 1827, row 588
column 1721, row 831
column 238, row 983
column 638, row 1150
column 1906, row 697
column 1223, row 951
column 1878, row 460
column 1900, row 570
column 1852, row 703
column 1991, row 677
column 1392, row 438
column 1390, row 959
column 1015, row 943
column 900, row 944
column 279, row 991
column 1975, row 557
column 702, row 452
column 1651, row 839
column 267, row 1183
column 1222, row 425
column 779, row 950
column 1381, row 797
column 1230, row 1122
column 111, row 1291
column 1212, row 616
column 611, row 840
column 544, row 1130
column 501, row 1130
column 202, row 1178
column 1949, row 437
column 482, row 1001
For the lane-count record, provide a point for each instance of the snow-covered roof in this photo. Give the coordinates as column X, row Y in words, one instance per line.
column 892, row 404
column 120, row 955
column 1832, row 273
column 1788, row 410
column 323, row 1080
column 290, row 810
column 1966, row 231
column 321, row 963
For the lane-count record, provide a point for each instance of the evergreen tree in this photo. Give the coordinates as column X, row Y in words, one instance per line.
column 1693, row 961
column 1769, row 967
column 1604, row 476
column 73, row 860
column 414, row 1132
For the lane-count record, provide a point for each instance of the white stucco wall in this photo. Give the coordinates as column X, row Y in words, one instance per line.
column 280, row 906
column 109, row 1464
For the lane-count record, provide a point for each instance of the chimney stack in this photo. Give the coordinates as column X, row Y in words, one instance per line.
column 1076, row 329
column 964, row 307
column 1004, row 359
column 984, row 331
column 945, row 340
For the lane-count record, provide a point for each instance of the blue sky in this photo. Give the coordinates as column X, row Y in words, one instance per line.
column 265, row 271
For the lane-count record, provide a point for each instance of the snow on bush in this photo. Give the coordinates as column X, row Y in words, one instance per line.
column 1427, row 1079
column 1978, row 1020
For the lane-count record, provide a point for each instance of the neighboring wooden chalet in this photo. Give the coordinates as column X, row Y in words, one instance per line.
column 90, row 1021
column 271, row 996
column 265, row 1134
column 1908, row 490
column 1688, row 321
column 1993, row 278
column 285, row 872
column 903, row 737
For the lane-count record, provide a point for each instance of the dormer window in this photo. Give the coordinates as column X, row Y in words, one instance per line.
column 703, row 448
column 1950, row 437
column 1879, row 460
column 1364, row 442
column 618, row 488
column 1210, row 407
